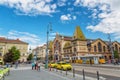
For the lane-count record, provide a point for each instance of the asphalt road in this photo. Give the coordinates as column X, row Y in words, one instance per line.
column 105, row 72
column 104, row 77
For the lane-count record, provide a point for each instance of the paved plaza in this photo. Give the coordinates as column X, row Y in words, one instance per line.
column 25, row 73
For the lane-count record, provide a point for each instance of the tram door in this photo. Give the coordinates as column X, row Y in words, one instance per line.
column 96, row 60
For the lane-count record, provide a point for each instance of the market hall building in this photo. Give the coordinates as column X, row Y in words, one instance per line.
column 78, row 47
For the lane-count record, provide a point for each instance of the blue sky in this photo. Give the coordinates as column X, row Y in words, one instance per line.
column 28, row 19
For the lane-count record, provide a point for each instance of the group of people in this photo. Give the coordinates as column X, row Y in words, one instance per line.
column 36, row 66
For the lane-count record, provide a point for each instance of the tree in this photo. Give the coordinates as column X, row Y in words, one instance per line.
column 50, row 57
column 12, row 55
column 116, row 55
column 8, row 57
column 30, row 57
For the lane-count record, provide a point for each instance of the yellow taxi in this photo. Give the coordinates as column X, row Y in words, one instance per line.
column 63, row 66
column 52, row 64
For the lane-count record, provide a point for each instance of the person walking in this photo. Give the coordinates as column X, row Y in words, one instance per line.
column 16, row 64
column 39, row 66
column 33, row 65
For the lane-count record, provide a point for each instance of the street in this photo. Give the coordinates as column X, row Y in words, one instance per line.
column 106, row 72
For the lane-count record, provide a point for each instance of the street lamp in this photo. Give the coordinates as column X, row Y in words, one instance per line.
column 111, row 49
column 49, row 28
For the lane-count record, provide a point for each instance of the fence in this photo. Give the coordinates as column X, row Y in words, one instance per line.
column 73, row 74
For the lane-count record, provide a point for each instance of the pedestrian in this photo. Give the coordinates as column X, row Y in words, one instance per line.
column 36, row 65
column 39, row 66
column 16, row 64
column 33, row 65
column 114, row 61
column 7, row 65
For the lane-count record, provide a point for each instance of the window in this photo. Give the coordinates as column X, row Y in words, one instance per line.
column 119, row 49
column 104, row 48
column 99, row 47
column 116, row 47
column 95, row 49
column 0, row 54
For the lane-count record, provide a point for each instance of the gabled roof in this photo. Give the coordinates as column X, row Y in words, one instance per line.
column 66, row 38
column 78, row 34
column 94, row 40
column 17, row 41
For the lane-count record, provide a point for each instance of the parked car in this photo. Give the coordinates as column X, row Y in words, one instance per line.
column 52, row 64
column 64, row 66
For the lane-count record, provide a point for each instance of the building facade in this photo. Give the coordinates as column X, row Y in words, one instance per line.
column 6, row 44
column 40, row 52
column 78, row 47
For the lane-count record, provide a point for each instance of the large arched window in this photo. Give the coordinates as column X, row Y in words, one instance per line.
column 119, row 49
column 104, row 48
column 116, row 47
column 99, row 47
column 0, row 54
column 95, row 49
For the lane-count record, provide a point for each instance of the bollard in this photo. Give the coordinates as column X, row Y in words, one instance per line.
column 56, row 69
column 83, row 74
column 98, row 75
column 73, row 72
column 50, row 68
column 61, row 70
column 66, row 72
column 39, row 68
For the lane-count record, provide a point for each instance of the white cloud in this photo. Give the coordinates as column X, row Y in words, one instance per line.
column 31, row 7
column 67, row 17
column 32, row 39
column 61, row 2
column 110, row 15
column 74, row 17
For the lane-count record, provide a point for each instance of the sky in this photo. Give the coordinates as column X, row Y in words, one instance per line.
column 29, row 20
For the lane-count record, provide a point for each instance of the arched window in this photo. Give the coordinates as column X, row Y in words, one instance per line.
column 119, row 49
column 99, row 47
column 0, row 54
column 116, row 47
column 104, row 48
column 95, row 49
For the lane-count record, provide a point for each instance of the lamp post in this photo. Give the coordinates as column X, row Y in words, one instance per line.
column 111, row 49
column 49, row 28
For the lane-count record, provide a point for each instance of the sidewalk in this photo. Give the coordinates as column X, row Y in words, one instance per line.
column 25, row 73
column 69, row 74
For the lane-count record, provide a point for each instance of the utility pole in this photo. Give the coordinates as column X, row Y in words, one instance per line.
column 49, row 28
column 111, row 48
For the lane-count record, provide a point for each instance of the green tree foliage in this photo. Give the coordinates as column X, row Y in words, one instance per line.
column 116, row 55
column 50, row 57
column 12, row 55
column 30, row 57
column 8, row 57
